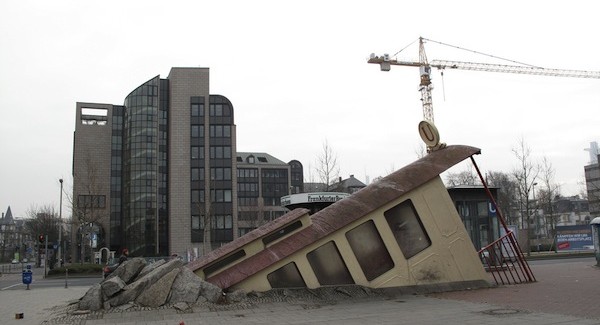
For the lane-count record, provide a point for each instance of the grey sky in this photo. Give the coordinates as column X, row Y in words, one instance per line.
column 296, row 74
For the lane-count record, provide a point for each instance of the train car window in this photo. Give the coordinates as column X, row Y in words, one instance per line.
column 328, row 265
column 369, row 249
column 282, row 232
column 211, row 268
column 407, row 228
column 286, row 276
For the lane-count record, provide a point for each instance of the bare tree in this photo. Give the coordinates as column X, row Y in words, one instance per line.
column 465, row 177
column 89, row 207
column 42, row 221
column 327, row 165
column 546, row 196
column 421, row 151
column 506, row 195
column 525, row 174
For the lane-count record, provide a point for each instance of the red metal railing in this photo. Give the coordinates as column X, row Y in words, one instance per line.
column 503, row 258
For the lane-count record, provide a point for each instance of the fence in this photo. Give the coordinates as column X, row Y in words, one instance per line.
column 504, row 260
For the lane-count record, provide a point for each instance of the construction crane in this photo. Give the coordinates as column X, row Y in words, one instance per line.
column 425, row 86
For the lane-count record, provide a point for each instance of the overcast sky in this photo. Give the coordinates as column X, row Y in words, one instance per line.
column 297, row 75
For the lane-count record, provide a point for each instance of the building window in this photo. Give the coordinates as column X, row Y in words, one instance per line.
column 220, row 110
column 197, row 109
column 220, row 131
column 220, row 152
column 197, row 131
column 220, row 195
column 220, row 174
column 197, row 152
column 196, row 222
column 197, row 174
column 91, row 201
column 223, row 222
column 197, row 196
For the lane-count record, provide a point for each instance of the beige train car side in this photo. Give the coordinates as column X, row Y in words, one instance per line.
column 401, row 231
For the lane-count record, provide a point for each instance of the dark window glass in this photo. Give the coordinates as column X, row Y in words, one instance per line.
column 369, row 249
column 287, row 276
column 407, row 228
column 328, row 265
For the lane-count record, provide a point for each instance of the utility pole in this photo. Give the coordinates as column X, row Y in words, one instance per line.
column 60, row 224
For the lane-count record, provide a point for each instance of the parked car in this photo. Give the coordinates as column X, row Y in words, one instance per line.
column 15, row 261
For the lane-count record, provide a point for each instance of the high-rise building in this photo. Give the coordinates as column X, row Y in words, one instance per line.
column 158, row 174
column 592, row 180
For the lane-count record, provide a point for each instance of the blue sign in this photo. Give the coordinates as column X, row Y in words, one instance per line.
column 27, row 277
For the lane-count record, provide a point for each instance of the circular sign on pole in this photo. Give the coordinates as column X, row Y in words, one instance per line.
column 430, row 135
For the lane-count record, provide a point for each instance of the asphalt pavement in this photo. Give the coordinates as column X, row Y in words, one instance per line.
column 566, row 292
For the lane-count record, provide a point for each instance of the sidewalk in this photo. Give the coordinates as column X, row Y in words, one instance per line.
column 565, row 293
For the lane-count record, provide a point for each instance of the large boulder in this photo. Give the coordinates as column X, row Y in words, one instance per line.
column 131, row 291
column 156, row 294
column 149, row 268
column 92, row 300
column 186, row 287
column 112, row 285
column 211, row 292
column 129, row 269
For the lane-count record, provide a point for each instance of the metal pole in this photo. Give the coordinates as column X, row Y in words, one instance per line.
column 60, row 224
column 45, row 255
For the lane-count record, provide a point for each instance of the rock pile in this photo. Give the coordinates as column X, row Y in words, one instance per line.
column 150, row 285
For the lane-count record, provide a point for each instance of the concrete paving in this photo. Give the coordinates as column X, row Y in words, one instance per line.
column 566, row 293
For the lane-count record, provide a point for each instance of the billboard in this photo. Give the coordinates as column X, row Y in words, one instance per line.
column 574, row 238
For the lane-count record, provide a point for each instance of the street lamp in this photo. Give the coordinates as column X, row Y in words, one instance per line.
column 60, row 224
column 537, row 223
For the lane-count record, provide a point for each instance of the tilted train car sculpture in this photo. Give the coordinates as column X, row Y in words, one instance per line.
column 400, row 231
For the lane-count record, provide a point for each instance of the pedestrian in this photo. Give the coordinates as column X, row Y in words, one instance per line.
column 124, row 255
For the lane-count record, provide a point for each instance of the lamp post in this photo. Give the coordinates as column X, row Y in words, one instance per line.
column 60, row 224
column 537, row 223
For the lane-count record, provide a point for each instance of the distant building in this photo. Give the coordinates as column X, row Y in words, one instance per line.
column 348, row 185
column 571, row 211
column 314, row 187
column 13, row 240
column 261, row 182
column 477, row 213
column 592, row 181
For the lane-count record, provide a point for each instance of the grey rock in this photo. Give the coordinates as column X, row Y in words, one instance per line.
column 150, row 267
column 131, row 291
column 129, row 269
column 186, row 287
column 237, row 296
column 92, row 299
column 112, row 285
column 156, row 294
column 211, row 292
column 181, row 306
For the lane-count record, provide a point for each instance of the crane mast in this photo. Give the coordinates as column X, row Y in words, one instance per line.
column 425, row 86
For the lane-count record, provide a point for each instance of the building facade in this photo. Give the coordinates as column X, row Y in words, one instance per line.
column 261, row 182
column 159, row 174
column 592, row 180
